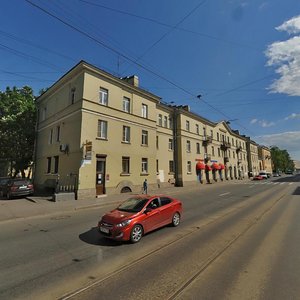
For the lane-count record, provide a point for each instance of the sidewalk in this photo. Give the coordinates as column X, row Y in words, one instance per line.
column 34, row 206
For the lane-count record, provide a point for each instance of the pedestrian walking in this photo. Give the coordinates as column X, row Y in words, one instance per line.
column 145, row 187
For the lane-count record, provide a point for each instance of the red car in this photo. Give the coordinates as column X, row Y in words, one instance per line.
column 258, row 177
column 138, row 215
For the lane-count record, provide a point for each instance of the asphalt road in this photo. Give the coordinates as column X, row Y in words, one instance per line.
column 238, row 242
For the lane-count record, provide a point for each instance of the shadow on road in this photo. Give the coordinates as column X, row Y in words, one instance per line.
column 297, row 191
column 93, row 237
column 295, row 178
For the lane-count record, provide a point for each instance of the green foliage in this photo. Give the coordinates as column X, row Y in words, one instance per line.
column 17, row 127
column 281, row 160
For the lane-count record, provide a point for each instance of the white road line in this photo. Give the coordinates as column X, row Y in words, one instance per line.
column 224, row 194
column 291, row 183
column 282, row 183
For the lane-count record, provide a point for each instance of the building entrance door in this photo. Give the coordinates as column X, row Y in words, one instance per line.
column 100, row 175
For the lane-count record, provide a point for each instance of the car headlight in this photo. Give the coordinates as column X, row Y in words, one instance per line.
column 124, row 223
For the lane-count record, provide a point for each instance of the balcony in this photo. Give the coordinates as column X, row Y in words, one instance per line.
column 225, row 145
column 238, row 149
column 226, row 159
column 206, row 140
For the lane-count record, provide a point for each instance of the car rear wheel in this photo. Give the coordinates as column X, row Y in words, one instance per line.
column 136, row 233
column 176, row 219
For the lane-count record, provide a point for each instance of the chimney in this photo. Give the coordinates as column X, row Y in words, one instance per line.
column 133, row 80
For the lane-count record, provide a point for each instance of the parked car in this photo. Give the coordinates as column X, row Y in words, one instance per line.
column 3, row 183
column 263, row 174
column 139, row 215
column 289, row 172
column 258, row 177
column 17, row 187
column 276, row 175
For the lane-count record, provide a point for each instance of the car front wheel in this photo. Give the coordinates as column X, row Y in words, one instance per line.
column 136, row 233
column 176, row 219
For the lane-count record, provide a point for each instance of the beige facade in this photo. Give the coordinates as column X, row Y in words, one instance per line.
column 252, row 156
column 99, row 134
column 265, row 160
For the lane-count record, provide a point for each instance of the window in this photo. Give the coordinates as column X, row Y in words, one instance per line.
column 51, row 136
column 44, row 113
column 125, row 165
column 212, row 134
column 157, row 169
column 233, row 154
column 157, row 143
column 204, row 131
column 56, row 160
column 102, row 129
column 170, row 144
column 188, row 146
column 197, row 129
column 126, row 134
column 170, row 122
column 198, row 148
column 189, row 167
column 58, row 133
column 103, row 96
column 144, row 137
column 165, row 201
column 171, row 166
column 144, row 165
column 165, row 121
column 144, row 111
column 72, row 95
column 218, row 137
column 229, row 153
column 219, row 152
column 48, row 165
column 160, row 120
column 212, row 151
column 187, row 125
column 126, row 104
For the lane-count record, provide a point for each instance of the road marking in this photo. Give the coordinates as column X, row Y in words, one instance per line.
column 291, row 183
column 224, row 194
column 282, row 183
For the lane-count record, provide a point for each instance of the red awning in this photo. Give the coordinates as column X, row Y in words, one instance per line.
column 215, row 166
column 222, row 167
column 207, row 168
column 200, row 166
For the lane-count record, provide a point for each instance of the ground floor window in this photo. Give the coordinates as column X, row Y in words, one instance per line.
column 125, row 165
column 144, row 165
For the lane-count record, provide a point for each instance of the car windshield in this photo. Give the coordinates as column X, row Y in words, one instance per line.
column 20, row 182
column 133, row 204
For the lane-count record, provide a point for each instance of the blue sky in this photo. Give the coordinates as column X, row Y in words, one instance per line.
column 241, row 56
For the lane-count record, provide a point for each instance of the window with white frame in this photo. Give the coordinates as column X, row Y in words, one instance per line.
column 188, row 146
column 144, row 111
column 187, row 125
column 125, row 165
column 103, row 96
column 189, row 167
column 144, row 165
column 198, row 148
column 170, row 122
column 144, row 137
column 160, row 120
column 170, row 144
column 165, row 121
column 212, row 151
column 102, row 129
column 197, row 129
column 126, row 104
column 126, row 134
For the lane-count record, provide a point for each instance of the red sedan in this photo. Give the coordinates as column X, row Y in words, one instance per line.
column 258, row 177
column 139, row 215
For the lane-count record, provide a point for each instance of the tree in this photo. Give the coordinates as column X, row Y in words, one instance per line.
column 281, row 160
column 17, row 128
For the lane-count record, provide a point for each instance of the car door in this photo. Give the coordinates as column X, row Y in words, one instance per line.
column 152, row 215
column 166, row 210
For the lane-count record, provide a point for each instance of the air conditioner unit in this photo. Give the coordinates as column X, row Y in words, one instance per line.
column 63, row 147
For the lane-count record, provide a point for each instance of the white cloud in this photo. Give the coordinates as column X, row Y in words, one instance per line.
column 286, row 140
column 285, row 56
column 291, row 26
column 292, row 116
column 262, row 123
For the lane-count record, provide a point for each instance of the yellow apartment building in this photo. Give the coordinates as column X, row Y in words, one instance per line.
column 265, row 160
column 100, row 134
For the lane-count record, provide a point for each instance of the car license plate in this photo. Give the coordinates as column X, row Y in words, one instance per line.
column 103, row 229
column 22, row 187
